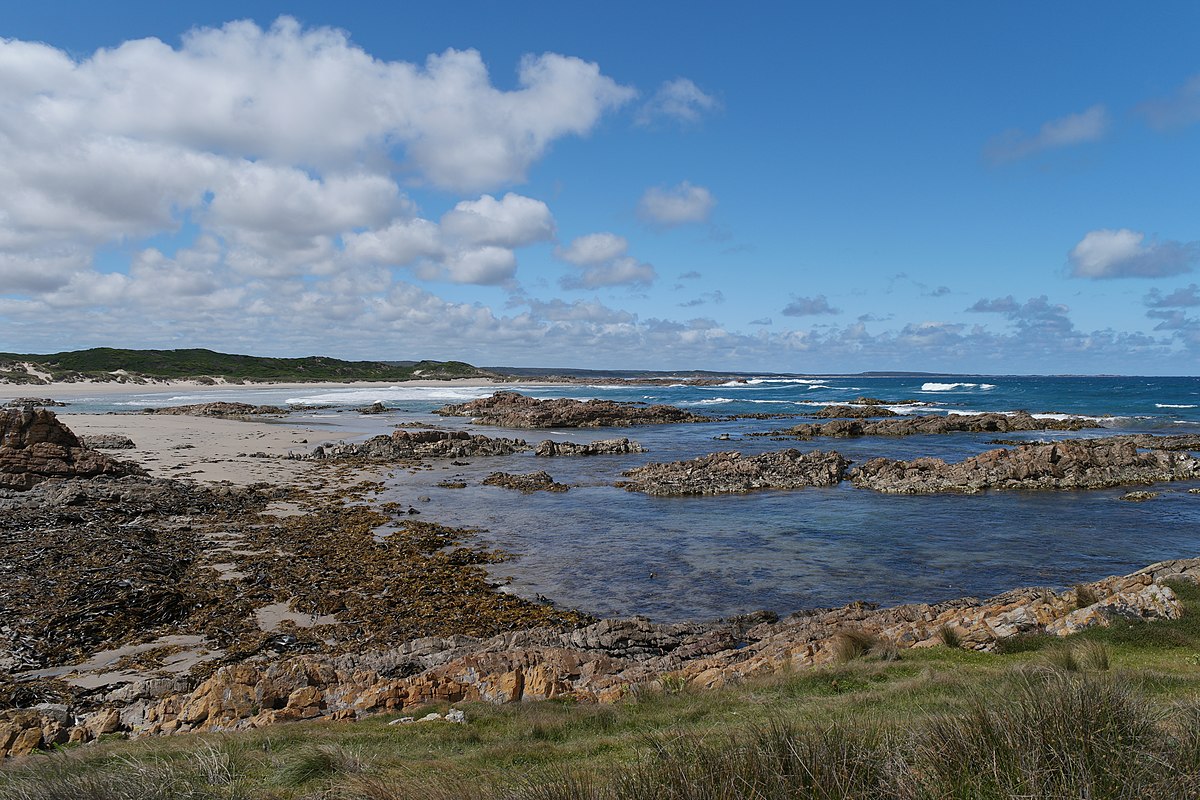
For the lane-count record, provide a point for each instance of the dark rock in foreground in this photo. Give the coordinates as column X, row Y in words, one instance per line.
column 402, row 444
column 218, row 409
column 515, row 410
column 596, row 448
column 936, row 424
column 1089, row 464
column 35, row 446
column 727, row 473
column 531, row 482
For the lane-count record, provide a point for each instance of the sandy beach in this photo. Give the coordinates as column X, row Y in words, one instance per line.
column 209, row 448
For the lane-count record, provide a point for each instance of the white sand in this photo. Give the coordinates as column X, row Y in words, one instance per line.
column 208, row 448
column 65, row 391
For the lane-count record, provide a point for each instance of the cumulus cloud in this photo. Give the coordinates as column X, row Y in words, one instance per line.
column 677, row 205
column 594, row 248
column 624, row 271
column 679, row 100
column 284, row 142
column 1086, row 126
column 1184, row 297
column 808, row 307
column 1124, row 253
column 1177, row 111
column 602, row 261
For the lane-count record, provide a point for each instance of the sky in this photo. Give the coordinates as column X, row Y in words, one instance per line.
column 787, row 187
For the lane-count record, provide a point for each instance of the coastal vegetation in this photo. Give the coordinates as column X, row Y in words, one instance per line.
column 113, row 364
column 1107, row 713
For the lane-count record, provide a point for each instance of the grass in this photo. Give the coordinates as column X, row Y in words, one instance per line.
column 1110, row 713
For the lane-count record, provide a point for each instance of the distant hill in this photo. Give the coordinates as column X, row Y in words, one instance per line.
column 137, row 366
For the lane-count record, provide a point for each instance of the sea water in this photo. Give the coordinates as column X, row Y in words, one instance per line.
column 611, row 552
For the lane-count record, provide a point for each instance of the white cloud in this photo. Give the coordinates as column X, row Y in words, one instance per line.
column 624, row 271
column 677, row 205
column 513, row 221
column 1073, row 129
column 680, row 100
column 488, row 266
column 1124, row 253
column 594, row 248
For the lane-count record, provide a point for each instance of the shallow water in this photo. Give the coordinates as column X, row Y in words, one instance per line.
column 612, row 552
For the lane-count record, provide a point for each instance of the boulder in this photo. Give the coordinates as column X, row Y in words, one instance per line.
column 726, row 473
column 107, row 441
column 854, row 412
column 515, row 410
column 35, row 446
column 218, row 409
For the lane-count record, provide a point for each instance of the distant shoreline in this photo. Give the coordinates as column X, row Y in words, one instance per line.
column 57, row 390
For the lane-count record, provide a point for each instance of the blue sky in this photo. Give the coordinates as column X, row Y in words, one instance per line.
column 798, row 187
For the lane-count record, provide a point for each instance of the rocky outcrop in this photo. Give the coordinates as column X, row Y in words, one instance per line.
column 515, row 410
column 1087, row 464
column 529, row 482
column 36, row 446
column 854, row 412
column 403, row 444
column 599, row 662
column 375, row 408
column 936, row 424
column 41, row 402
column 107, row 441
column 218, row 409
column 726, row 473
column 600, row 447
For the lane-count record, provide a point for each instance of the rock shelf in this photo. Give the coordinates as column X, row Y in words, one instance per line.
column 515, row 410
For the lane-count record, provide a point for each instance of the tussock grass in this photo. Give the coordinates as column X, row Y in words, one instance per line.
column 1109, row 713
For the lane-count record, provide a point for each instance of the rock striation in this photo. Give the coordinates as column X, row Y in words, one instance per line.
column 597, row 662
column 1082, row 464
column 35, row 446
column 529, row 482
column 937, row 424
column 515, row 410
column 731, row 472
column 404, row 444
column 600, row 447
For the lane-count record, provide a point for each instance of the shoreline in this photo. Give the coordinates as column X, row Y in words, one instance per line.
column 71, row 389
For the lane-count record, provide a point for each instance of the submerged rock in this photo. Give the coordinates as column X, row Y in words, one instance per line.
column 36, row 446
column 726, row 473
column 1086, row 464
column 515, row 410
column 596, row 448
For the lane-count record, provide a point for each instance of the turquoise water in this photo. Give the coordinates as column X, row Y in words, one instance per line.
column 612, row 552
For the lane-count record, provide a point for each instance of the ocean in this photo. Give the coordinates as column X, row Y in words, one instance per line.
column 611, row 552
